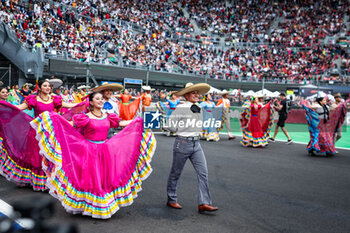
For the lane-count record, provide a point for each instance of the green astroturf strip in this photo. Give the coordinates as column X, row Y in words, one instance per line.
column 298, row 132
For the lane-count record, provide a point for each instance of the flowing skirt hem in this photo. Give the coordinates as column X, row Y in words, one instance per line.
column 321, row 140
column 21, row 174
column 322, row 149
column 247, row 137
column 211, row 135
column 85, row 202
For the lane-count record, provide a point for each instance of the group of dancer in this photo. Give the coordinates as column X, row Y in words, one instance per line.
column 257, row 119
column 212, row 112
column 325, row 118
column 74, row 155
column 93, row 169
column 70, row 155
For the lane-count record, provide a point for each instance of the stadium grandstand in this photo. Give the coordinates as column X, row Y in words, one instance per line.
column 276, row 42
column 272, row 128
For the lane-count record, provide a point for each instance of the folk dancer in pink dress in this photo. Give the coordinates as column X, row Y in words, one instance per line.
column 338, row 101
column 88, row 173
column 111, row 104
column 20, row 160
column 4, row 93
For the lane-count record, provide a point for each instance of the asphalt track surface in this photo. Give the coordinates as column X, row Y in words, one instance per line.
column 275, row 189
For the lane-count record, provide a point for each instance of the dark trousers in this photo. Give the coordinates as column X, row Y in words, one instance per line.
column 187, row 149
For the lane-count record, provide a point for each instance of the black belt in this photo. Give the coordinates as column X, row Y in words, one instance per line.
column 196, row 138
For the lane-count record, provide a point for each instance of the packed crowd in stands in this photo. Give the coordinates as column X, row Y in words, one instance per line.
column 305, row 25
column 345, row 66
column 254, row 63
column 152, row 16
column 290, row 51
column 211, row 16
column 248, row 20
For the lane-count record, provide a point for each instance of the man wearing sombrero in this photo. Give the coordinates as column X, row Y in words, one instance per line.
column 81, row 93
column 111, row 104
column 187, row 146
column 226, row 103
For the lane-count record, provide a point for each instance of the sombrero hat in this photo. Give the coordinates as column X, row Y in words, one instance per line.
column 202, row 88
column 55, row 82
column 28, row 84
column 337, row 95
column 224, row 92
column 83, row 87
column 147, row 88
column 108, row 86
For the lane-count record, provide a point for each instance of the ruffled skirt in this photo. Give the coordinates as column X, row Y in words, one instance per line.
column 130, row 110
column 322, row 133
column 89, row 178
column 256, row 130
column 20, row 161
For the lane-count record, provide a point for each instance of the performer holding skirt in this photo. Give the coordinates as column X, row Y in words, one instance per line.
column 88, row 173
column 12, row 100
column 127, row 110
column 20, row 160
column 146, row 97
column 323, row 124
column 256, row 122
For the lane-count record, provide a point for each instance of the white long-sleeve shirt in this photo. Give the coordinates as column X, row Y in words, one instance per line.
column 184, row 122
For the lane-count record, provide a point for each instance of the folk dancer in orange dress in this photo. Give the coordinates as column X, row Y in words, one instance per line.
column 146, row 97
column 226, row 103
column 128, row 110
